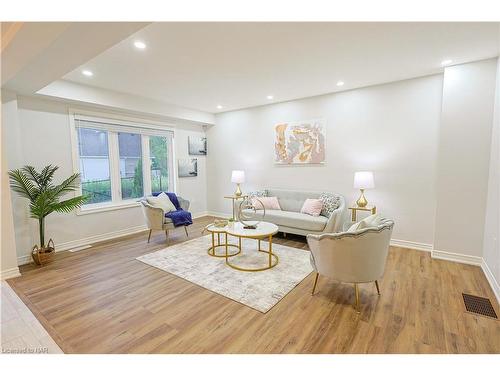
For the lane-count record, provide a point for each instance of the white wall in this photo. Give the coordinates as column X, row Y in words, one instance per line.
column 464, row 153
column 42, row 136
column 390, row 129
column 8, row 259
column 491, row 244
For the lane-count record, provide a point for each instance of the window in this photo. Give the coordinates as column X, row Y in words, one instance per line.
column 131, row 176
column 158, row 154
column 94, row 165
column 121, row 162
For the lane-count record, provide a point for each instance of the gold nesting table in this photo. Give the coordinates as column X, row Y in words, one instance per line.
column 264, row 230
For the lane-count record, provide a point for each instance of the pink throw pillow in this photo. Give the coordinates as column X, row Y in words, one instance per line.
column 312, row 207
column 270, row 203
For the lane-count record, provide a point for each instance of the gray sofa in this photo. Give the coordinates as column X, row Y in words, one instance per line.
column 290, row 220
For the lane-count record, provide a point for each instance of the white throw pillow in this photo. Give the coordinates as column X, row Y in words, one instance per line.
column 370, row 221
column 373, row 220
column 162, row 201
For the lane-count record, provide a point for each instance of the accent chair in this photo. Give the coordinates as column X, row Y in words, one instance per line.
column 352, row 257
column 156, row 220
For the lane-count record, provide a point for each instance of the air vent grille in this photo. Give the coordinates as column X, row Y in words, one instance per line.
column 479, row 305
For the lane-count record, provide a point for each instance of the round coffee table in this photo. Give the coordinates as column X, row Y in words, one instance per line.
column 215, row 244
column 263, row 230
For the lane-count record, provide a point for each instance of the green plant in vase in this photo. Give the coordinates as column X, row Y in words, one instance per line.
column 45, row 197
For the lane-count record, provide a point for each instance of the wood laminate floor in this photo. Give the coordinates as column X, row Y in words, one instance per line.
column 102, row 300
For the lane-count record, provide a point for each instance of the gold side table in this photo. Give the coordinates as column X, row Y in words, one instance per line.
column 235, row 198
column 216, row 242
column 354, row 209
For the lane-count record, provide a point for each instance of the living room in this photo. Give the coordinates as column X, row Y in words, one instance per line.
column 250, row 187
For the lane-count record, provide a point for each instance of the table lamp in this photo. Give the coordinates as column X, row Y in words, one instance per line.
column 238, row 177
column 362, row 181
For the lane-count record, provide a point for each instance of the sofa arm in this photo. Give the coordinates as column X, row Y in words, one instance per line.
column 336, row 220
column 154, row 216
column 184, row 203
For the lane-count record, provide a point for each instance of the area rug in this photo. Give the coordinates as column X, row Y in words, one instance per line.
column 258, row 290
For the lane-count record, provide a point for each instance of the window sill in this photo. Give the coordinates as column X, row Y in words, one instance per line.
column 92, row 209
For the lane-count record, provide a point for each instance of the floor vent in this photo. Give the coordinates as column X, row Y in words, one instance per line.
column 479, row 305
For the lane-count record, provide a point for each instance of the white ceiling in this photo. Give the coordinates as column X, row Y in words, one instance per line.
column 236, row 65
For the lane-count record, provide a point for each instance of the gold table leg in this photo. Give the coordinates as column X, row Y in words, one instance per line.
column 226, row 245
column 269, row 252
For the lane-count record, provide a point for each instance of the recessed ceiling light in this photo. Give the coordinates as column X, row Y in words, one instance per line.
column 140, row 45
column 270, row 97
column 87, row 73
column 219, row 107
column 446, row 62
column 340, row 83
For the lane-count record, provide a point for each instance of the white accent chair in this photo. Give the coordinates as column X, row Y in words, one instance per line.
column 357, row 257
column 156, row 220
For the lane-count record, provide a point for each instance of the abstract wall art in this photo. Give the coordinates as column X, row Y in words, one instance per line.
column 301, row 142
column 197, row 145
column 187, row 167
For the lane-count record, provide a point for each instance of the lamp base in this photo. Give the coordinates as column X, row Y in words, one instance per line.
column 362, row 202
column 237, row 193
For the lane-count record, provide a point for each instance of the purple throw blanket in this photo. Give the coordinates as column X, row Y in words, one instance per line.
column 179, row 217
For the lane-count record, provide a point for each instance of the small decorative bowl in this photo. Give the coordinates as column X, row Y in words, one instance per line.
column 219, row 223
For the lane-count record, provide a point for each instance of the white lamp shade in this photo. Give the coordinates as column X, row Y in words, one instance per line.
column 363, row 180
column 238, row 177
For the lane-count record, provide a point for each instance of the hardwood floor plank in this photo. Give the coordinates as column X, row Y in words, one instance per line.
column 102, row 300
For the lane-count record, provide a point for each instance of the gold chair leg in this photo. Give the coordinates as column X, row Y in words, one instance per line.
column 166, row 235
column 315, row 283
column 149, row 236
column 378, row 289
column 356, row 290
column 186, row 230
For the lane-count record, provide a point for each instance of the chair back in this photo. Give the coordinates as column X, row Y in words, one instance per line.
column 153, row 215
column 352, row 257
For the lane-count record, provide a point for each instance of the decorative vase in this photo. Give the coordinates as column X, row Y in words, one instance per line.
column 43, row 255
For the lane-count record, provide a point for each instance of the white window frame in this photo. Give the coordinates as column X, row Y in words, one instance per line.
column 114, row 124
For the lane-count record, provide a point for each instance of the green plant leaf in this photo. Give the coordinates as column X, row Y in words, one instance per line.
column 22, row 185
column 32, row 174
column 47, row 174
column 40, row 206
column 72, row 183
column 69, row 205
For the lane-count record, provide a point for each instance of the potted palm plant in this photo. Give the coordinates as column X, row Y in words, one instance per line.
column 45, row 198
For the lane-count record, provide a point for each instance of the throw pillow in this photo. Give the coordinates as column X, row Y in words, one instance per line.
column 269, row 203
column 312, row 207
column 258, row 193
column 373, row 220
column 162, row 201
column 370, row 221
column 330, row 203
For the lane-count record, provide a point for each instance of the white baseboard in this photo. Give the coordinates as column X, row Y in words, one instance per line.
column 200, row 214
column 98, row 238
column 219, row 214
column 455, row 257
column 412, row 245
column 88, row 241
column 491, row 279
column 9, row 273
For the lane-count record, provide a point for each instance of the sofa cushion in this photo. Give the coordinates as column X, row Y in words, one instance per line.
column 330, row 203
column 312, row 207
column 162, row 201
column 269, row 203
column 257, row 194
column 292, row 219
column 292, row 200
